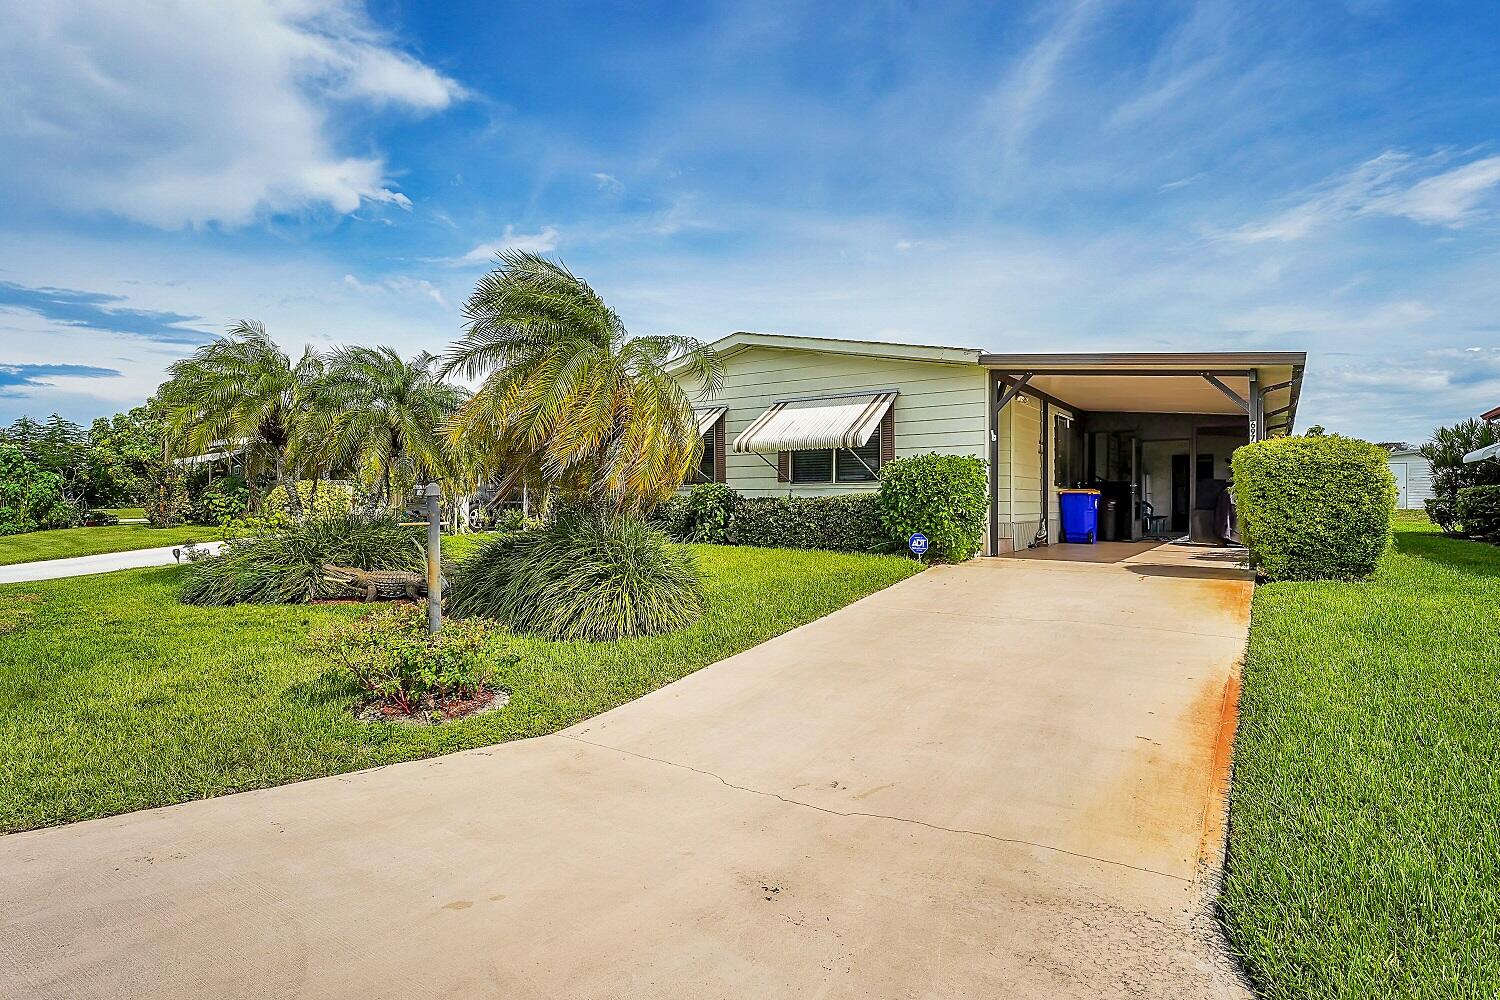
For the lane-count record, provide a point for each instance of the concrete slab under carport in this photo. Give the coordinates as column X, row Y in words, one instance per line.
column 998, row 779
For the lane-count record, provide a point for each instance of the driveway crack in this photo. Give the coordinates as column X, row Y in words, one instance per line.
column 856, row 814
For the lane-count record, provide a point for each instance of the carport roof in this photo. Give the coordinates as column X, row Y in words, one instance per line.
column 1163, row 382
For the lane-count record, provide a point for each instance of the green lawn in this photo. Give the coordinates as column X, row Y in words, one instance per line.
column 64, row 542
column 115, row 697
column 1364, row 850
column 128, row 511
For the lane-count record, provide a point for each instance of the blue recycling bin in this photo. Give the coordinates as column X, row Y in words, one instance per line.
column 1080, row 515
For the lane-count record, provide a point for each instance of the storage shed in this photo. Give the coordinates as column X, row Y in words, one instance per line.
column 1413, row 478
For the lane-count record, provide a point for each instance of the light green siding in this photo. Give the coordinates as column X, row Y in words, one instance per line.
column 940, row 406
column 1020, row 471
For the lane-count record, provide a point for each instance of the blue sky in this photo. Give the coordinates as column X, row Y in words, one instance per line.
column 1057, row 176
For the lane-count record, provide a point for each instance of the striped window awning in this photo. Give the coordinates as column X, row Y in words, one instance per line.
column 707, row 418
column 1481, row 454
column 827, row 422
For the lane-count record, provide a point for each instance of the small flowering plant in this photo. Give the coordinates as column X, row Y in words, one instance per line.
column 392, row 657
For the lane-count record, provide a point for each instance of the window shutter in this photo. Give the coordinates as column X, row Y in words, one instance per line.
column 719, row 476
column 888, row 435
column 783, row 466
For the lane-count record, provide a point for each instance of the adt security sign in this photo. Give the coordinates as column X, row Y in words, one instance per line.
column 917, row 543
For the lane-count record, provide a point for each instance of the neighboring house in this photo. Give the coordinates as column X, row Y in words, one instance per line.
column 810, row 416
column 1489, row 452
column 1413, row 475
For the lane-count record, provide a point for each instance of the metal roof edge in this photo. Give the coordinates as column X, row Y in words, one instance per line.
column 1122, row 359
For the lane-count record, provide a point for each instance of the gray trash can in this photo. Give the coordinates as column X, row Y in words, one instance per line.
column 1109, row 519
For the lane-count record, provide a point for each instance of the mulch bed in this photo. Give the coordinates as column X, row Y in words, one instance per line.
column 435, row 712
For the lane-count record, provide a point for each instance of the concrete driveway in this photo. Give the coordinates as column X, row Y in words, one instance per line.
column 104, row 562
column 1001, row 779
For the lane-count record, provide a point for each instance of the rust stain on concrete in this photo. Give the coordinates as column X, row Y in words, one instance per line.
column 1228, row 717
column 1167, row 800
column 1233, row 597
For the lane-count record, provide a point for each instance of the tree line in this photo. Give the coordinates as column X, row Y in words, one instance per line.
column 567, row 401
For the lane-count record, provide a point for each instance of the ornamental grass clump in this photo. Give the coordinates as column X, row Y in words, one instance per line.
column 284, row 565
column 588, row 576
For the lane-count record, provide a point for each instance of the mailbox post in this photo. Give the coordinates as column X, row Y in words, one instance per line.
column 434, row 558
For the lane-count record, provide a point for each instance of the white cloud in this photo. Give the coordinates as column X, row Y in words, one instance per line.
column 1021, row 100
column 387, row 76
column 189, row 114
column 1448, row 199
column 609, row 183
column 539, row 242
column 400, row 284
column 1388, row 184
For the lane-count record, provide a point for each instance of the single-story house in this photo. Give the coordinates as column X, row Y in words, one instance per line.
column 813, row 416
column 1413, row 475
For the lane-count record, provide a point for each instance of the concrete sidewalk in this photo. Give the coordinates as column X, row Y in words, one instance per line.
column 1001, row 779
column 104, row 562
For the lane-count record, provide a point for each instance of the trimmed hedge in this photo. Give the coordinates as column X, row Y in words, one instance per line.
column 1314, row 508
column 674, row 517
column 945, row 497
column 1479, row 512
column 847, row 522
column 1443, row 512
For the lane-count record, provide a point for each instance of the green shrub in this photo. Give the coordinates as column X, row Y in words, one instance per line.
column 586, row 576
column 509, row 520
column 1451, row 474
column 674, row 517
column 1479, row 512
column 31, row 498
column 97, row 518
column 945, row 497
column 848, row 522
column 284, row 565
column 1313, row 508
column 222, row 500
column 710, row 508
column 392, row 657
column 331, row 498
column 1443, row 512
column 165, row 496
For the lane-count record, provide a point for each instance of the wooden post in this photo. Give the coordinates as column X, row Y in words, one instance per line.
column 434, row 559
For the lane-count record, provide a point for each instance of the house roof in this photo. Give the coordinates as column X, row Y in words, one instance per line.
column 1200, row 381
column 1164, row 382
column 744, row 340
column 1491, row 415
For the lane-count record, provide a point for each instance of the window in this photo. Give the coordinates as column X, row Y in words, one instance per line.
column 1062, row 455
column 812, row 466
column 705, row 472
column 842, row 465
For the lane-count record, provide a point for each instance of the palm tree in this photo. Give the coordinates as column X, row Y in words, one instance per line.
column 243, row 389
column 385, row 415
column 1446, row 451
column 568, row 396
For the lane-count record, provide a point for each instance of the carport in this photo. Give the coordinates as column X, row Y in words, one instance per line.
column 1153, row 432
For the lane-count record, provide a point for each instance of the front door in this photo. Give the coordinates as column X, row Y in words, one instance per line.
column 1399, row 470
column 1181, row 492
